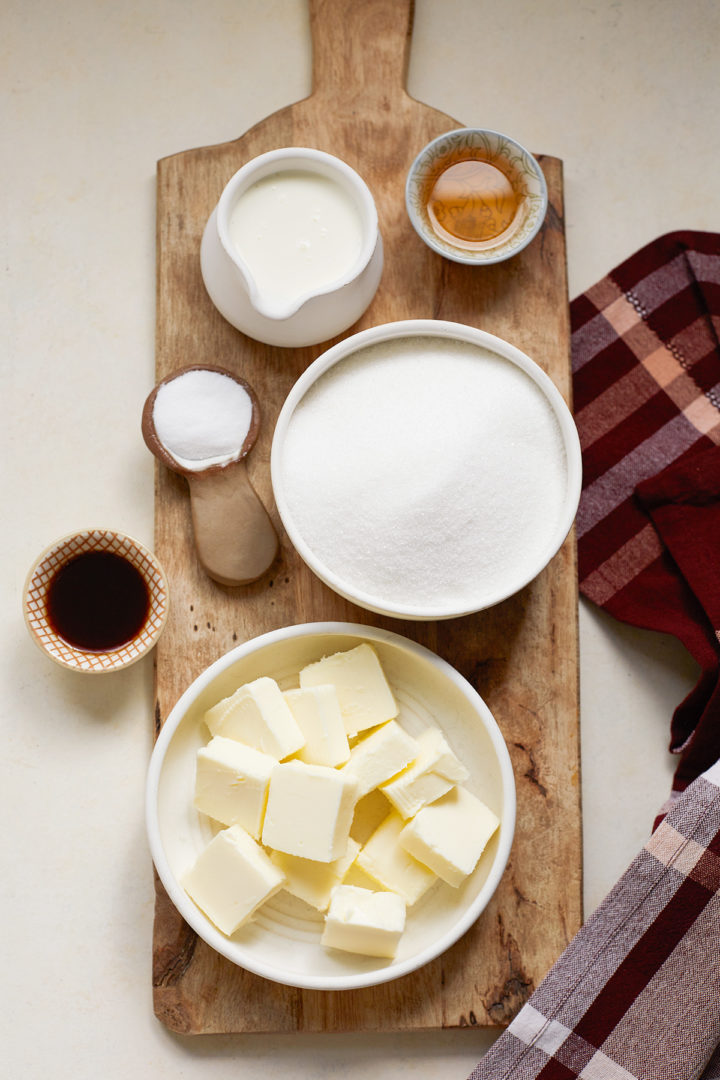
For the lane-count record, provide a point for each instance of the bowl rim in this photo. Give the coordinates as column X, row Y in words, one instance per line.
column 202, row 925
column 453, row 331
column 456, row 254
column 117, row 659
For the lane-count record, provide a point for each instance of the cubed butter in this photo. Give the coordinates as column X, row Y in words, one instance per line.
column 450, row 835
column 231, row 783
column 361, row 921
column 388, row 863
column 309, row 811
column 445, row 761
column 317, row 713
column 313, row 881
column 258, row 715
column 365, row 697
column 231, row 878
column 370, row 811
column 421, row 783
column 414, row 789
column 355, row 876
column 380, row 755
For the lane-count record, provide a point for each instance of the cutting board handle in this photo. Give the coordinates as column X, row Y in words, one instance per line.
column 360, row 47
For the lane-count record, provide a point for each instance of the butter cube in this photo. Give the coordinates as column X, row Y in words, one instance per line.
column 450, row 835
column 415, row 788
column 317, row 712
column 361, row 921
column 258, row 715
column 309, row 811
column 388, row 863
column 231, row 878
column 355, row 876
column 423, row 781
column 370, row 811
column 231, row 783
column 313, row 881
column 365, row 697
column 381, row 755
column 445, row 762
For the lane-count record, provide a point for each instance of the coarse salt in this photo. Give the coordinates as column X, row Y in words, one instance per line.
column 426, row 473
column 202, row 418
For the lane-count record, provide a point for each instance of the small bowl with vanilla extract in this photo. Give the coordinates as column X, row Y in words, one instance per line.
column 96, row 601
column 476, row 196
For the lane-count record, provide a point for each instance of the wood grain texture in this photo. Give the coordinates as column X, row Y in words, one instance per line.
column 522, row 656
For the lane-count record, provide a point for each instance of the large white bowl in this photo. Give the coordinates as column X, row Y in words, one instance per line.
column 353, row 351
column 283, row 942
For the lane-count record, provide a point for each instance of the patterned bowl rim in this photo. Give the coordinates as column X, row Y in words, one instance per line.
column 54, row 556
column 535, row 203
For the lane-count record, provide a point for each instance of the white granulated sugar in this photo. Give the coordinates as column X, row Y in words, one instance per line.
column 425, row 473
column 202, row 418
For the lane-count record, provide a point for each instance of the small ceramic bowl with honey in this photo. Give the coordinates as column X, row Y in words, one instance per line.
column 476, row 196
column 95, row 601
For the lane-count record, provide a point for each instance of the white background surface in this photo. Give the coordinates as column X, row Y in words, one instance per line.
column 93, row 94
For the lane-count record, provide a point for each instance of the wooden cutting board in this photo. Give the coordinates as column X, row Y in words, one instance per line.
column 522, row 656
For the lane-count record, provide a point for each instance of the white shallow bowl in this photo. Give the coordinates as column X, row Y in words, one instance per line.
column 476, row 595
column 283, row 942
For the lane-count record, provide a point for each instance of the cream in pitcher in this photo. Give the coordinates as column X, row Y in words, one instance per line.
column 292, row 254
column 297, row 232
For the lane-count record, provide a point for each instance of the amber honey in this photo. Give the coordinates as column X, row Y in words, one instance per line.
column 472, row 202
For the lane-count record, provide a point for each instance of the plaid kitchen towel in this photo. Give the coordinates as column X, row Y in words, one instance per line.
column 636, row 994
column 646, row 380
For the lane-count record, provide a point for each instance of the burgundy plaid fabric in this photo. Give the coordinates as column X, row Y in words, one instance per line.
column 636, row 995
column 646, row 377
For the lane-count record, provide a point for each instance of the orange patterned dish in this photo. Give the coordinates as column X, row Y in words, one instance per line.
column 96, row 601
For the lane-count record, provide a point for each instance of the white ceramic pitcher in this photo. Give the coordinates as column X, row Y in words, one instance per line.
column 313, row 315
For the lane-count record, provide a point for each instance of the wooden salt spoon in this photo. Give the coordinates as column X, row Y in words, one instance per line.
column 234, row 536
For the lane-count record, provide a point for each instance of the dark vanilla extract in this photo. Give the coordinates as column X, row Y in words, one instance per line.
column 97, row 601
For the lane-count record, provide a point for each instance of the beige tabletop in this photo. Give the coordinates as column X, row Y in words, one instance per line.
column 623, row 91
